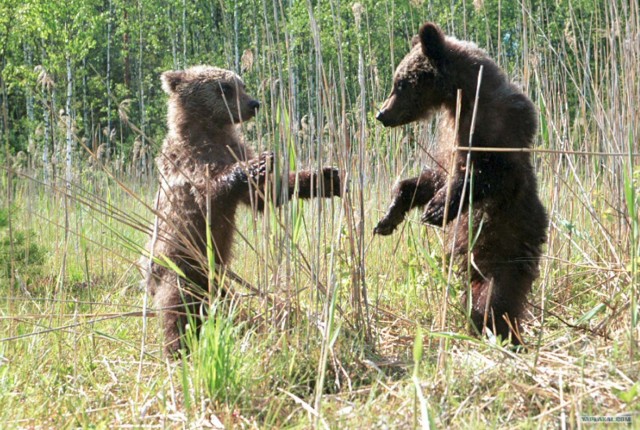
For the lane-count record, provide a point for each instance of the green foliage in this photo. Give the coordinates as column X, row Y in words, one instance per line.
column 18, row 249
column 629, row 396
column 142, row 41
column 218, row 365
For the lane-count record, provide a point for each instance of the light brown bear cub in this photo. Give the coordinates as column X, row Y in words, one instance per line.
column 499, row 199
column 205, row 171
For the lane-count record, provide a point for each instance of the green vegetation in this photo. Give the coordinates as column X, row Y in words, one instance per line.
column 339, row 329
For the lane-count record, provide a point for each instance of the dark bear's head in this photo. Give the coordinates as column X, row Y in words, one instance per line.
column 418, row 84
column 209, row 94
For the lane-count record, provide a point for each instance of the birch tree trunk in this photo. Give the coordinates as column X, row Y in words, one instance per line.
column 184, row 33
column 109, row 20
column 28, row 54
column 69, row 152
column 46, row 117
column 4, row 129
column 126, row 48
column 173, row 36
column 236, row 51
column 85, row 103
column 141, row 84
column 54, row 138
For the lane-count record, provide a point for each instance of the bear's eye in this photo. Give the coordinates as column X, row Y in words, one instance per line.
column 226, row 89
column 400, row 87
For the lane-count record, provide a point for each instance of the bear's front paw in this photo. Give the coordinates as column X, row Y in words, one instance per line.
column 260, row 167
column 433, row 214
column 385, row 227
column 332, row 185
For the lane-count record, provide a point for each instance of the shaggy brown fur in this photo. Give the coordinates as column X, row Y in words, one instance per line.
column 504, row 206
column 206, row 170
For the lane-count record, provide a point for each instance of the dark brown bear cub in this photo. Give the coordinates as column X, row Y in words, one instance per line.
column 500, row 196
column 205, row 172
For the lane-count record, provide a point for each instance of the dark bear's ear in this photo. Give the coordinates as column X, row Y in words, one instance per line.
column 171, row 80
column 432, row 39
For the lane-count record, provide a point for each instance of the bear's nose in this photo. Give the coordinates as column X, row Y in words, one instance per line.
column 380, row 115
column 254, row 104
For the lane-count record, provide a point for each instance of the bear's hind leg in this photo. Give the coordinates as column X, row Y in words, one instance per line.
column 510, row 290
column 498, row 303
column 177, row 309
column 168, row 303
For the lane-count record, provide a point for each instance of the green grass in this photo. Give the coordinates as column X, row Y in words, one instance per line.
column 259, row 363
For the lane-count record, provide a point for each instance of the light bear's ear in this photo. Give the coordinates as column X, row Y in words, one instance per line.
column 171, row 80
column 415, row 40
column 432, row 40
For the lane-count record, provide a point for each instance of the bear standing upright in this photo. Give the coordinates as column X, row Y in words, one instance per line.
column 205, row 172
column 500, row 195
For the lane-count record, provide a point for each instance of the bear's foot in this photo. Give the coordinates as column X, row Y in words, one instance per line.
column 433, row 214
column 259, row 168
column 385, row 227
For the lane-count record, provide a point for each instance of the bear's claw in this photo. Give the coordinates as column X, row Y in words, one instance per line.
column 384, row 228
column 258, row 168
column 433, row 215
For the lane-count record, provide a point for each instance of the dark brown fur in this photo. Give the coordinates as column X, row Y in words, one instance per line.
column 205, row 168
column 505, row 204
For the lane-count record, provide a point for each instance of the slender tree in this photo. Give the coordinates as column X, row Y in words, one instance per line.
column 46, row 84
column 141, row 94
column 69, row 122
column 108, row 78
column 31, row 117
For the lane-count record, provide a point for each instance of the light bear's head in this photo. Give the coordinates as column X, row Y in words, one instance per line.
column 209, row 94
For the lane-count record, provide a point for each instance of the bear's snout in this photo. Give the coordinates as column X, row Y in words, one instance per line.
column 254, row 104
column 389, row 111
column 386, row 118
column 381, row 116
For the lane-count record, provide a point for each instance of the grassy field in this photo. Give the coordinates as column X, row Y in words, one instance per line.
column 339, row 329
